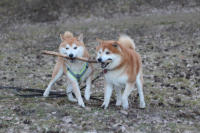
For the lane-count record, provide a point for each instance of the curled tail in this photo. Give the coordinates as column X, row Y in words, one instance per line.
column 126, row 41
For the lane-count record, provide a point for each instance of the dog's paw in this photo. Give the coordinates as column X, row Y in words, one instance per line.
column 118, row 103
column 104, row 105
column 71, row 98
column 142, row 105
column 45, row 94
column 125, row 104
column 81, row 103
column 87, row 96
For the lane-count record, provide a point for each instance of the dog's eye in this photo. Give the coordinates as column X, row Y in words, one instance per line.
column 67, row 48
column 107, row 52
column 75, row 47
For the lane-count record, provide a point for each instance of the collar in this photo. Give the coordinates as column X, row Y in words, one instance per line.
column 106, row 70
column 79, row 75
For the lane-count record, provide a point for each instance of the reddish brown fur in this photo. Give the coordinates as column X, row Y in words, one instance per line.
column 131, row 61
column 59, row 63
column 60, row 67
column 68, row 38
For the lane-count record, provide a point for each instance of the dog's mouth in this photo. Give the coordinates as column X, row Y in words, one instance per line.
column 104, row 64
column 72, row 60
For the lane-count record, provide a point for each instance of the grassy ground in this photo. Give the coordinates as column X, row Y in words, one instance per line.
column 170, row 48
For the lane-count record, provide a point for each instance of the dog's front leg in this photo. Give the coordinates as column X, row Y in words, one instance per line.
column 118, row 96
column 107, row 94
column 88, row 87
column 55, row 76
column 77, row 92
column 128, row 88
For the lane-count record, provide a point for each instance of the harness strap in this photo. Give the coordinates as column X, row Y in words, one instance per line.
column 78, row 76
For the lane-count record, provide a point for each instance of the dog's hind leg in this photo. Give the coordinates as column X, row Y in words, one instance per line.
column 57, row 73
column 139, row 81
column 128, row 89
column 69, row 93
column 88, row 87
column 77, row 92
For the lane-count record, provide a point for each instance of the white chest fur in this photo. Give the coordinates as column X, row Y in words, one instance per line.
column 117, row 77
column 75, row 66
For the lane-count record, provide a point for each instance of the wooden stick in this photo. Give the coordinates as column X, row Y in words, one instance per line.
column 64, row 56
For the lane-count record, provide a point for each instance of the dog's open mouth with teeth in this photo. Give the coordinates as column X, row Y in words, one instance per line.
column 104, row 64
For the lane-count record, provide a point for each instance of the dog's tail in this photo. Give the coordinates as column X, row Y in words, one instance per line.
column 126, row 41
column 67, row 34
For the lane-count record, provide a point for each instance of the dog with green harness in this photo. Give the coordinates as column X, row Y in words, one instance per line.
column 79, row 75
column 76, row 71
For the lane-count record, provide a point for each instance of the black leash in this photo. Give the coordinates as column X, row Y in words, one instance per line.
column 39, row 92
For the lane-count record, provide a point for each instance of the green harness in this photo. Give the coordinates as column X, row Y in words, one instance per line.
column 79, row 75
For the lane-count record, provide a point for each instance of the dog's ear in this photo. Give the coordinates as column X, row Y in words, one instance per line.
column 99, row 41
column 61, row 37
column 115, row 45
column 80, row 37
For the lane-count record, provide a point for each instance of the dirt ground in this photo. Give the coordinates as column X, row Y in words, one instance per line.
column 169, row 44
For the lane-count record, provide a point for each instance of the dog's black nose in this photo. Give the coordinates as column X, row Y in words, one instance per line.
column 99, row 60
column 71, row 55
